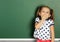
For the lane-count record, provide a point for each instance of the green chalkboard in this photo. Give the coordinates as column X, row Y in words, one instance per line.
column 17, row 16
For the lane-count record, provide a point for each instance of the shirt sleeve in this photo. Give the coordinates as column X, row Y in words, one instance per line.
column 51, row 23
column 37, row 19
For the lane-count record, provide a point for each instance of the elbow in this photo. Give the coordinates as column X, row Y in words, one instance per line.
column 37, row 27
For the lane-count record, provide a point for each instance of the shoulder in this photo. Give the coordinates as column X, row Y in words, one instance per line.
column 51, row 22
column 37, row 19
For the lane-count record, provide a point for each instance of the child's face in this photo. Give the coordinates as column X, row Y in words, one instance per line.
column 44, row 11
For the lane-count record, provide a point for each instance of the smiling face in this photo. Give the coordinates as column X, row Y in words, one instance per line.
column 44, row 11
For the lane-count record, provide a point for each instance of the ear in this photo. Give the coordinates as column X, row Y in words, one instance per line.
column 39, row 12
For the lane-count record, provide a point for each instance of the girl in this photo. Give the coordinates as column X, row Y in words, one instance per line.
column 44, row 25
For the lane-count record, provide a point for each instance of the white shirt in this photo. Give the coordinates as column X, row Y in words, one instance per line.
column 44, row 31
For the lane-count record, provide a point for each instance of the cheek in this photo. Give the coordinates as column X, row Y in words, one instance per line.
column 42, row 14
column 49, row 14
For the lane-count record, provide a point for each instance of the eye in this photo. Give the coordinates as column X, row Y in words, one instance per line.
column 47, row 12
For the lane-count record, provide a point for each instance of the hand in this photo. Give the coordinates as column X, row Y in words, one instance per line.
column 45, row 16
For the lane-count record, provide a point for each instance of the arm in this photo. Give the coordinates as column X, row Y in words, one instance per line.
column 52, row 33
column 37, row 25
